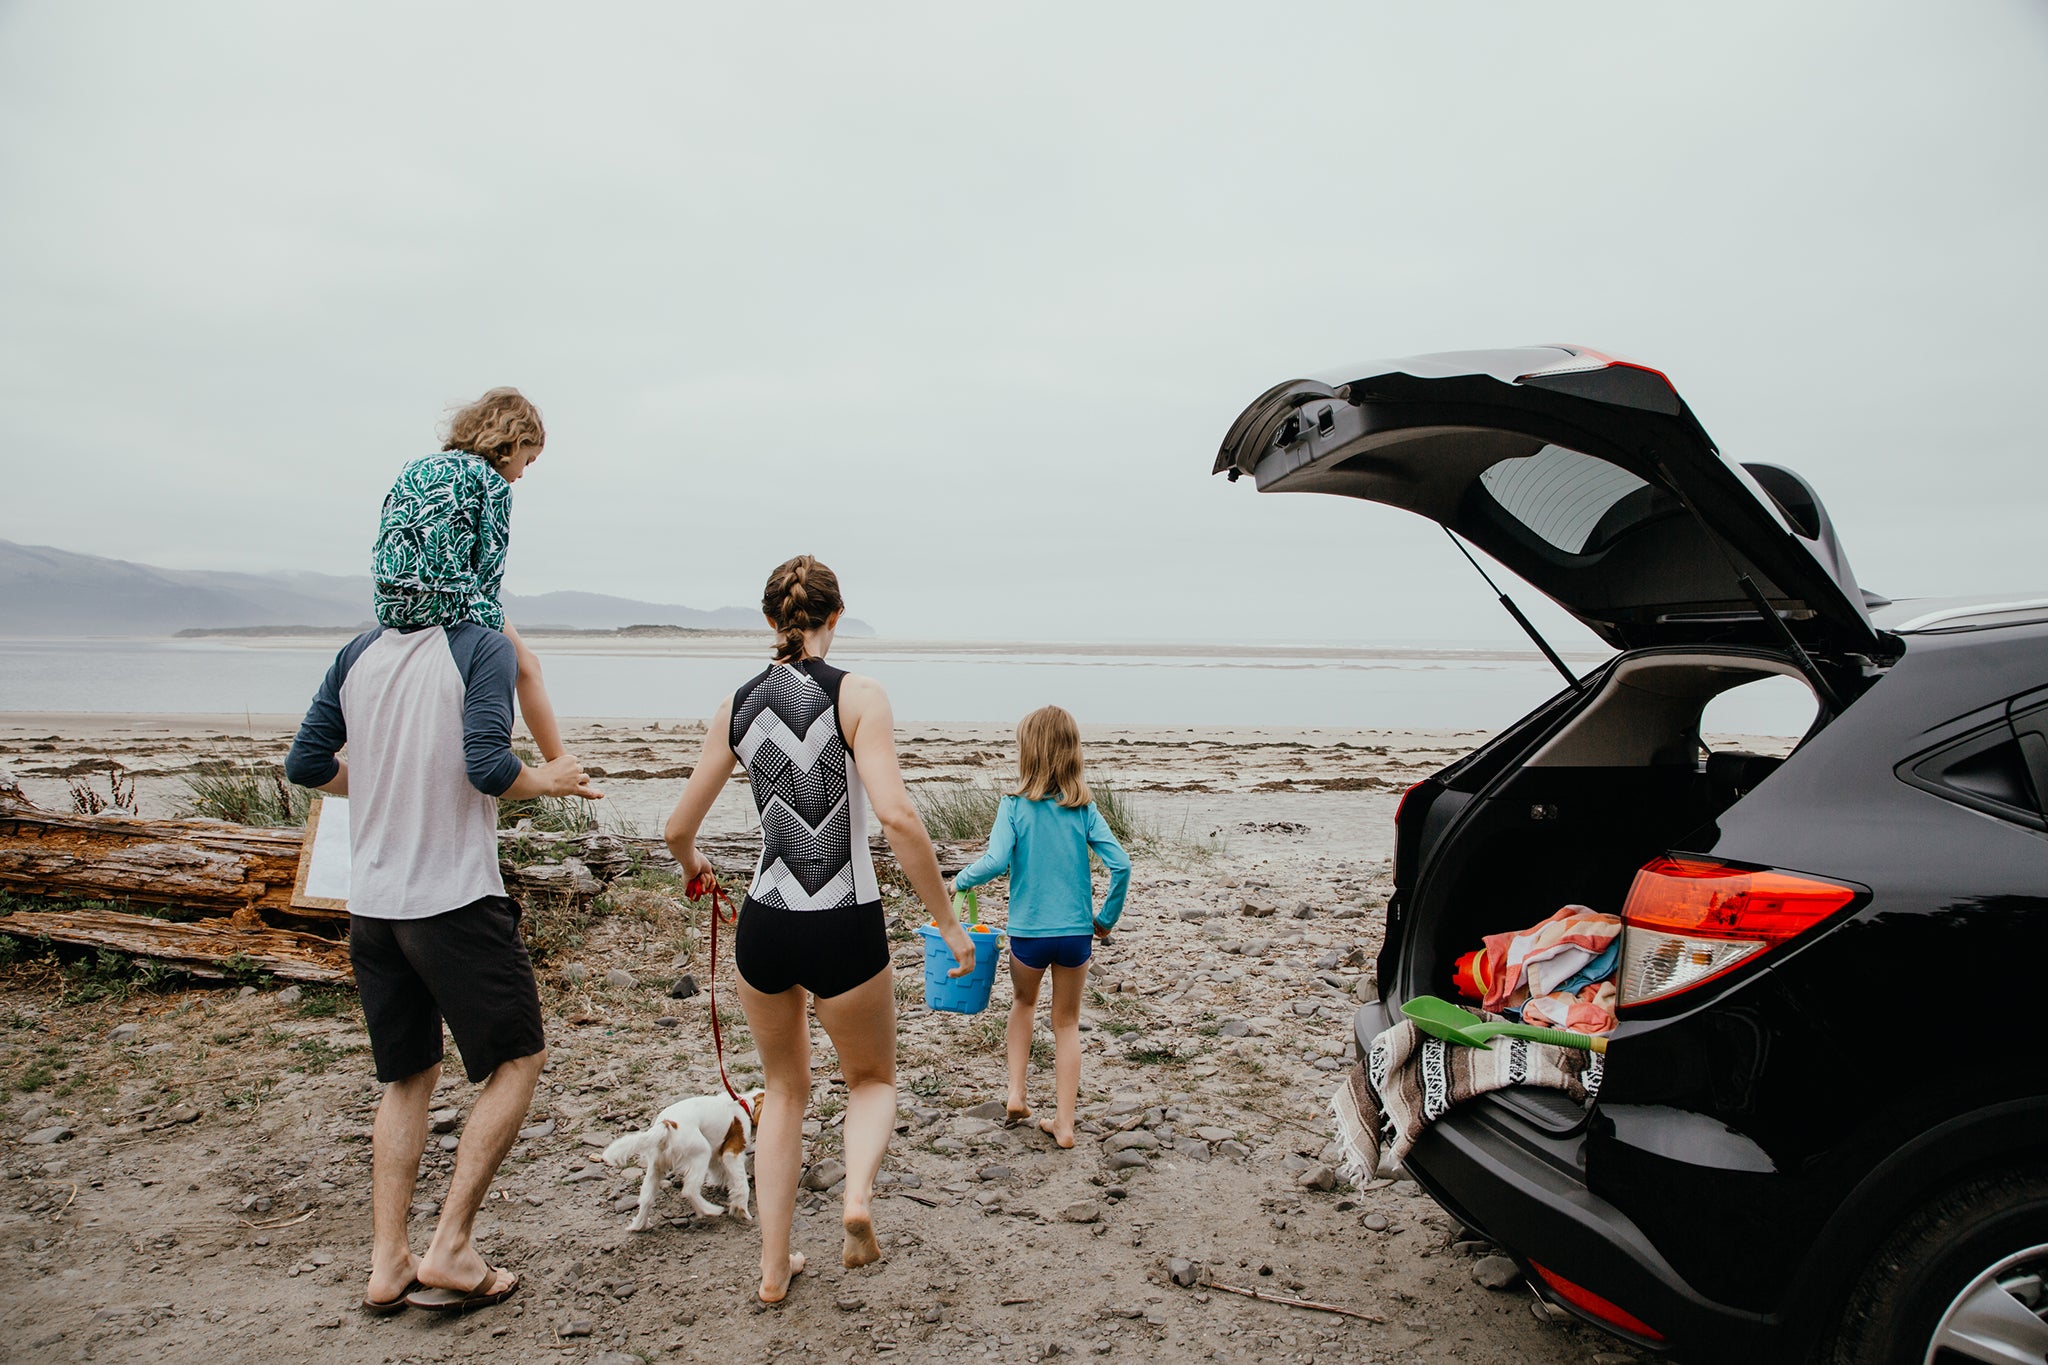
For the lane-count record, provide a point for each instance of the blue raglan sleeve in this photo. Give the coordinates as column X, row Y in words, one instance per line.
column 1002, row 846
column 311, row 762
column 490, row 671
column 1104, row 845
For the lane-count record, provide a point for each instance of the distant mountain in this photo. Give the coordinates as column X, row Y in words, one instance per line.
column 46, row 591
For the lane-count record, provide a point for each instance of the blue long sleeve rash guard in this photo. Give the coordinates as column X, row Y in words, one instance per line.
column 1044, row 847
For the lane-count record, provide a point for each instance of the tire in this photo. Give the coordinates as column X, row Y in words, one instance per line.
column 1936, row 1274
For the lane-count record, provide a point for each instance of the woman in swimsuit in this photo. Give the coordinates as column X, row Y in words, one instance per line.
column 819, row 748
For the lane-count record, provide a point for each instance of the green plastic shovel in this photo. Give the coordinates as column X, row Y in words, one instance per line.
column 1442, row 1019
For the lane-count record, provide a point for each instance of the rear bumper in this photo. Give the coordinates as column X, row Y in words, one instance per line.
column 1525, row 1190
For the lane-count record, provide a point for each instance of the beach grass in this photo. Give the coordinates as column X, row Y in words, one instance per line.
column 966, row 809
column 245, row 794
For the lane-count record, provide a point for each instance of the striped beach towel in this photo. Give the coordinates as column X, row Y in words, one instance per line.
column 1410, row 1080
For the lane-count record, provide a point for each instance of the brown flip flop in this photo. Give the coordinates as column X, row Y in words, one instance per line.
column 384, row 1308
column 462, row 1300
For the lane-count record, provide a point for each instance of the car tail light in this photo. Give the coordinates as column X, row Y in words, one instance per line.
column 1580, row 1297
column 1402, row 809
column 1688, row 920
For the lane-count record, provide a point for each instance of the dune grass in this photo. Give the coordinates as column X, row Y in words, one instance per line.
column 966, row 809
column 245, row 794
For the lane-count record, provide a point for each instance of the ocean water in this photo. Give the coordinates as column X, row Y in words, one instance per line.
column 1136, row 685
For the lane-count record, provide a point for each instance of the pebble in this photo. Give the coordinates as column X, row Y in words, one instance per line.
column 443, row 1120
column 1127, row 1161
column 625, row 1203
column 44, row 1136
column 1236, row 1151
column 538, row 1130
column 1496, row 1272
column 123, row 1032
column 616, row 1358
column 1235, row 1028
column 290, row 995
column 988, row 1109
column 589, row 1173
column 1193, row 1148
column 847, row 1303
column 685, row 987
column 1376, row 1222
column 1184, row 1272
column 597, row 1140
column 1081, row 1211
column 1137, row 1140
column 1317, row 1178
column 669, row 1021
column 575, row 973
column 576, row 1327
column 824, row 1174
column 621, row 978
column 995, row 1173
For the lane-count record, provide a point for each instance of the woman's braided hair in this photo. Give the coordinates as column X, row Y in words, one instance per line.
column 801, row 595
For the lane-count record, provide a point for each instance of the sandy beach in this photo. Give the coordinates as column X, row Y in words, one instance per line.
column 209, row 1201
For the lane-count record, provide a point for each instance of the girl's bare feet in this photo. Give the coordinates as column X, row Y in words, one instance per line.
column 1050, row 1129
column 861, row 1247
column 773, row 1293
column 1015, row 1112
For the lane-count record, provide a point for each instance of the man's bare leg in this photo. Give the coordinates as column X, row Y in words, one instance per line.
column 452, row 1262
column 396, row 1140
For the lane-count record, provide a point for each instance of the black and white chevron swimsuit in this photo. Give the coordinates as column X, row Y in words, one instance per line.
column 813, row 916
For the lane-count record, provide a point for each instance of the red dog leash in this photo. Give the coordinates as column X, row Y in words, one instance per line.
column 706, row 888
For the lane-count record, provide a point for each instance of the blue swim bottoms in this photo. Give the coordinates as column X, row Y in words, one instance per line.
column 1060, row 950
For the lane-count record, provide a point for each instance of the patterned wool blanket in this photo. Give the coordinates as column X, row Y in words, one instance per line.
column 1410, row 1080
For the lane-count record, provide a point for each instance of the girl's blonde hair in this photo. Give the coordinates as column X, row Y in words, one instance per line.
column 1049, row 758
column 801, row 595
column 495, row 425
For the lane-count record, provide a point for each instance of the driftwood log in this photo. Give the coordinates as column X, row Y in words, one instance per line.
column 205, row 948
column 239, row 878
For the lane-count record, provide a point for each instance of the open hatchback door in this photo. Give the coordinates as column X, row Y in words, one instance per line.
column 1586, row 475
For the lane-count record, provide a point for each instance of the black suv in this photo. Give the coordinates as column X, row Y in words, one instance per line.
column 1823, row 1128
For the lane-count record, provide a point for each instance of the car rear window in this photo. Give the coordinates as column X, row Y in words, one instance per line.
column 1566, row 497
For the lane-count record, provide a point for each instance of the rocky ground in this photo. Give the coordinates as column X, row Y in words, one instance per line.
column 187, row 1170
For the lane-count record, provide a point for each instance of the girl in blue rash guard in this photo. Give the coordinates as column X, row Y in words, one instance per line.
column 1042, row 837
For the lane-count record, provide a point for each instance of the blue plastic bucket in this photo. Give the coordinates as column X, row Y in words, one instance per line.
column 960, row 994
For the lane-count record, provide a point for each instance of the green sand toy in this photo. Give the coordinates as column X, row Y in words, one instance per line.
column 1454, row 1024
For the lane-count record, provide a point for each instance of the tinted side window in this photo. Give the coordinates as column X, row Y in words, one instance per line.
column 1989, row 770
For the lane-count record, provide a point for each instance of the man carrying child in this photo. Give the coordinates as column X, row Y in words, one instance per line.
column 426, row 714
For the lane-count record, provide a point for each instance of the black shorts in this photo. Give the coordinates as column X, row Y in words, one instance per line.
column 468, row 966
column 827, row 952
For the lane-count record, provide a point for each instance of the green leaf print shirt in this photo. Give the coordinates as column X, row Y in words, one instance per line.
column 440, row 554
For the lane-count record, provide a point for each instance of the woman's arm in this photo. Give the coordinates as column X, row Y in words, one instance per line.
column 1002, row 847
column 870, row 727
column 1103, row 842
column 715, row 763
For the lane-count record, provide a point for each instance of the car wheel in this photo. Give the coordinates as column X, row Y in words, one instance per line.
column 1964, row 1279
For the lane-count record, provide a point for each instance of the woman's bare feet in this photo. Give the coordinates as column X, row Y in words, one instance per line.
column 773, row 1293
column 1051, row 1129
column 861, row 1246
column 1015, row 1112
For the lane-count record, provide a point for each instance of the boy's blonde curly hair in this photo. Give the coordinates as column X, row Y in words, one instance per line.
column 495, row 425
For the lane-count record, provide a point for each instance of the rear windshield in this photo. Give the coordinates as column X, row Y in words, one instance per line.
column 1567, row 498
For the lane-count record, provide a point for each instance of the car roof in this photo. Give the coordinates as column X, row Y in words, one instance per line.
column 1917, row 615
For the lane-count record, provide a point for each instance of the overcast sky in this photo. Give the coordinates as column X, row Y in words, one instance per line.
column 962, row 301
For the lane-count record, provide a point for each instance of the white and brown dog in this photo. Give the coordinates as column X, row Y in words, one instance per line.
column 684, row 1138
